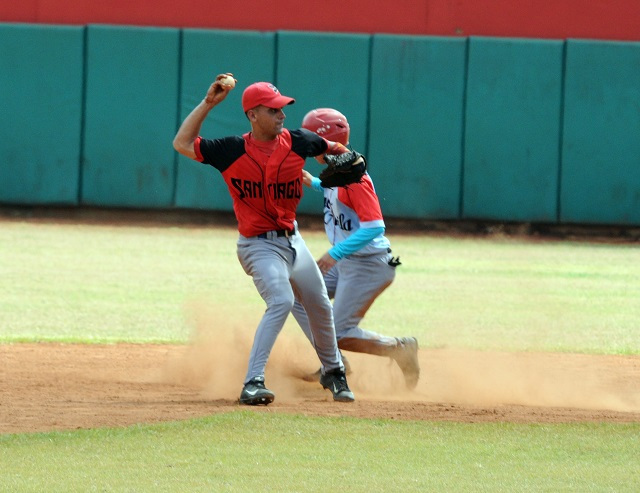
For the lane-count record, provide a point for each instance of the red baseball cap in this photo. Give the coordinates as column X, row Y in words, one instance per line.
column 265, row 94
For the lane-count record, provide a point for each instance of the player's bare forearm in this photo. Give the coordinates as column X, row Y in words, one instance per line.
column 332, row 148
column 336, row 148
column 306, row 178
column 190, row 128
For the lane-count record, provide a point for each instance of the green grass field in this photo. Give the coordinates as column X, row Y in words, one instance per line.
column 91, row 283
column 122, row 283
column 245, row 451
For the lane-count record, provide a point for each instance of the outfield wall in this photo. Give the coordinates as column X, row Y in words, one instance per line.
column 505, row 129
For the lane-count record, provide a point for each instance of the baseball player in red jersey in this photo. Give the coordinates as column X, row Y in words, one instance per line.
column 263, row 172
column 359, row 266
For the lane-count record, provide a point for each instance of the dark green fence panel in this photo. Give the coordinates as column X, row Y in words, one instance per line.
column 325, row 70
column 250, row 56
column 601, row 139
column 512, row 131
column 40, row 114
column 416, row 121
column 131, row 113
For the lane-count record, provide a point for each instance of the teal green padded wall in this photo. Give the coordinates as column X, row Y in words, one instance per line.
column 131, row 113
column 601, row 146
column 482, row 124
column 512, row 131
column 323, row 70
column 250, row 56
column 40, row 113
column 416, row 121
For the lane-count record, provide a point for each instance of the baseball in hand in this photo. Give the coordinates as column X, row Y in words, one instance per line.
column 228, row 81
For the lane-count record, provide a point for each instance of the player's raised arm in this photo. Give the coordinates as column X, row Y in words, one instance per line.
column 190, row 128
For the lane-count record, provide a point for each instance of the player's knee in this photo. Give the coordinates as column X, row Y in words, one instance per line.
column 281, row 303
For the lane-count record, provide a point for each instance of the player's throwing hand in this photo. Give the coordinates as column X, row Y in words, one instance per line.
column 220, row 88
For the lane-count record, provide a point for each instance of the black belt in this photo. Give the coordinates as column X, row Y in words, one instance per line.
column 279, row 233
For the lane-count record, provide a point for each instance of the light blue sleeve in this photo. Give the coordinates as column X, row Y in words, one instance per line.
column 355, row 242
column 315, row 184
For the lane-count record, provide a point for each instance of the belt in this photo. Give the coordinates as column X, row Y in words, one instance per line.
column 279, row 233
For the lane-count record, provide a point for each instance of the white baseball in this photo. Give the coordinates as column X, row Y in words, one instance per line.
column 228, row 81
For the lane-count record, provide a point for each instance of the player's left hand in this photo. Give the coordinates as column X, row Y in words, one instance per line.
column 326, row 262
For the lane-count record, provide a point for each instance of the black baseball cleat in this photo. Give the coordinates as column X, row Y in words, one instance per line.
column 336, row 382
column 406, row 355
column 254, row 393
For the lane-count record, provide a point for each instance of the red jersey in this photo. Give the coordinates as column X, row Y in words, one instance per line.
column 266, row 189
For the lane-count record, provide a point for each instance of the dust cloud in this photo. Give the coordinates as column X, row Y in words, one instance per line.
column 215, row 361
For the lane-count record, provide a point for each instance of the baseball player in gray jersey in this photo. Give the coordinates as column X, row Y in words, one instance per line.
column 359, row 266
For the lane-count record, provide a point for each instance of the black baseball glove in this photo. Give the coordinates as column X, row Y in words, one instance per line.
column 343, row 169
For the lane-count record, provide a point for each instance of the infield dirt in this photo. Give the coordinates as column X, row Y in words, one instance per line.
column 65, row 386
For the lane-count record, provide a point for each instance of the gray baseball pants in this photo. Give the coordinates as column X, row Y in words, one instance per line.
column 284, row 270
column 354, row 283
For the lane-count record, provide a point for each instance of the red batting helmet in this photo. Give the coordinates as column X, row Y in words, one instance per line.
column 328, row 123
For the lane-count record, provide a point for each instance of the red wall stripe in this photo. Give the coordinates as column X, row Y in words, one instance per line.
column 556, row 19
